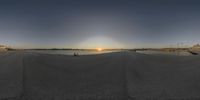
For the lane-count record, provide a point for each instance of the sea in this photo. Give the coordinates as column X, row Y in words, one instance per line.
column 71, row 52
column 179, row 53
column 93, row 52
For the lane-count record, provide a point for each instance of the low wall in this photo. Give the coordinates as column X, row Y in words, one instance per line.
column 1, row 50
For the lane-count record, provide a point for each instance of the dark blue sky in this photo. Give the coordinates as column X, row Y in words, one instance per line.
column 99, row 23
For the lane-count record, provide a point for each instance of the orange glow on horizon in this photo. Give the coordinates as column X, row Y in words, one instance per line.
column 99, row 49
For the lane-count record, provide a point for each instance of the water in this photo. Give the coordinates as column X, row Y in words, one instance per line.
column 70, row 52
column 87, row 52
column 181, row 53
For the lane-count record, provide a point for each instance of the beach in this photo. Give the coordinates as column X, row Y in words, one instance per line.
column 110, row 76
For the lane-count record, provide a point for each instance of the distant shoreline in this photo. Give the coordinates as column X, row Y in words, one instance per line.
column 136, row 49
column 103, row 49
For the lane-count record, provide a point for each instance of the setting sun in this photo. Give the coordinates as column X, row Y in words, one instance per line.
column 99, row 49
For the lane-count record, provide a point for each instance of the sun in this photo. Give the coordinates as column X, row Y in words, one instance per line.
column 99, row 49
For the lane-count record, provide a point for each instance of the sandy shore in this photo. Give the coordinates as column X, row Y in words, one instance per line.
column 112, row 76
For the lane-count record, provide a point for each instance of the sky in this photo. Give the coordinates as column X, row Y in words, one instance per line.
column 99, row 23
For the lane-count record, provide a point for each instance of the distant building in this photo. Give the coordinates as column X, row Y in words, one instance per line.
column 3, row 48
column 197, row 46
